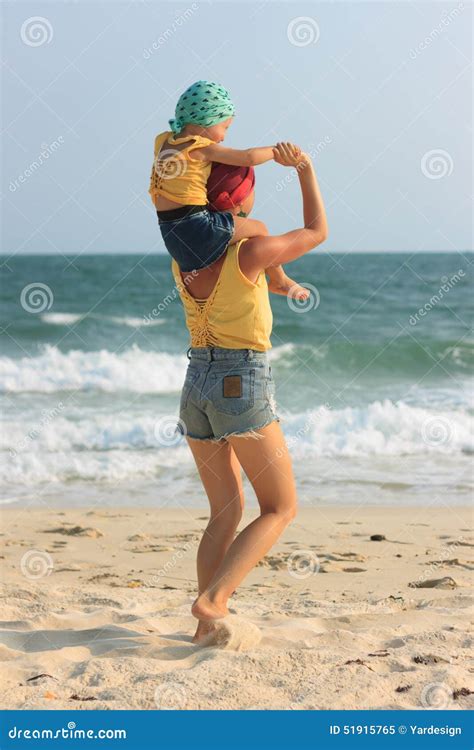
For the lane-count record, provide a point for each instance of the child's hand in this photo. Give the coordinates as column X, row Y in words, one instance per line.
column 287, row 154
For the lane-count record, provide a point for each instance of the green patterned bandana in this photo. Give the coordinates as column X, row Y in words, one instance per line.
column 204, row 103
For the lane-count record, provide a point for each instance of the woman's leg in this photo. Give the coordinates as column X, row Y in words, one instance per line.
column 220, row 474
column 268, row 466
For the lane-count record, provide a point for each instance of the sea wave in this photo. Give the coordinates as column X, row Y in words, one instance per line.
column 382, row 428
column 28, row 470
column 104, row 446
column 69, row 319
column 133, row 370
column 140, row 371
column 404, row 356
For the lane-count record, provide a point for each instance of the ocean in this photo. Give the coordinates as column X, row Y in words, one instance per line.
column 373, row 380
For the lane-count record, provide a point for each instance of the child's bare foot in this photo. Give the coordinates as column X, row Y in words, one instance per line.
column 284, row 285
column 204, row 629
column 207, row 611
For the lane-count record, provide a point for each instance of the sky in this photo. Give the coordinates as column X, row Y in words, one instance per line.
column 379, row 93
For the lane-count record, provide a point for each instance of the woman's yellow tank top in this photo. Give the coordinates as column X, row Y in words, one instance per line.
column 236, row 315
column 175, row 175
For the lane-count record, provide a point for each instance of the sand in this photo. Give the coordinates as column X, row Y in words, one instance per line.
column 96, row 613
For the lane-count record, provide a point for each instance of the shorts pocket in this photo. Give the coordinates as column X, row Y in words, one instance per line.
column 191, row 378
column 233, row 391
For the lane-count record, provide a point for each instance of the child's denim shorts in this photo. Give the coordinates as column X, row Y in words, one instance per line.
column 198, row 239
column 226, row 392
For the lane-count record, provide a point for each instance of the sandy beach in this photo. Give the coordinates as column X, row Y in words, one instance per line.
column 96, row 613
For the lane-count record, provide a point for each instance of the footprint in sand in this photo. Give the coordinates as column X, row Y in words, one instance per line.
column 150, row 548
column 76, row 531
column 354, row 570
column 455, row 563
column 435, row 583
column 346, row 557
column 233, row 633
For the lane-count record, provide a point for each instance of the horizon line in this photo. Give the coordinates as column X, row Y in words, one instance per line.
column 165, row 255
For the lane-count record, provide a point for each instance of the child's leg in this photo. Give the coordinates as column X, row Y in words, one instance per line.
column 245, row 228
column 278, row 281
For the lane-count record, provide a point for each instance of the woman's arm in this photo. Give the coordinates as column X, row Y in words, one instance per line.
column 249, row 157
column 267, row 252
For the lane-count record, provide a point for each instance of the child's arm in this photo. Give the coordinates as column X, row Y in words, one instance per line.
column 270, row 251
column 248, row 157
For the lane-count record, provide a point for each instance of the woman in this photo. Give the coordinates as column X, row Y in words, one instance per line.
column 227, row 407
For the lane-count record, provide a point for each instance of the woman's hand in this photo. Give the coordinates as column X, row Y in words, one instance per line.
column 288, row 155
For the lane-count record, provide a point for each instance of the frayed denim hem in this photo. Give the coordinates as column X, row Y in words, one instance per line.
column 253, row 434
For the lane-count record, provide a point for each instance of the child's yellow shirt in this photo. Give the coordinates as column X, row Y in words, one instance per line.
column 175, row 175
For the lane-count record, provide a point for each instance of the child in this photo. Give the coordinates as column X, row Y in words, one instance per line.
column 193, row 235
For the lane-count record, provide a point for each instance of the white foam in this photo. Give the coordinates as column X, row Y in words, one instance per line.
column 277, row 352
column 69, row 319
column 83, row 443
column 290, row 353
column 93, row 432
column 31, row 469
column 381, row 428
column 61, row 319
column 132, row 370
column 136, row 322
column 8, row 500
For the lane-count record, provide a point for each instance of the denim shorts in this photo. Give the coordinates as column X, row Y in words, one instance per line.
column 226, row 392
column 199, row 239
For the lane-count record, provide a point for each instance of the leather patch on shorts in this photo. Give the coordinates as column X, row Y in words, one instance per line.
column 232, row 386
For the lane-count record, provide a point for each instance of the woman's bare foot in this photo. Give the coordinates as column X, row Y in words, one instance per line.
column 204, row 629
column 289, row 288
column 207, row 611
